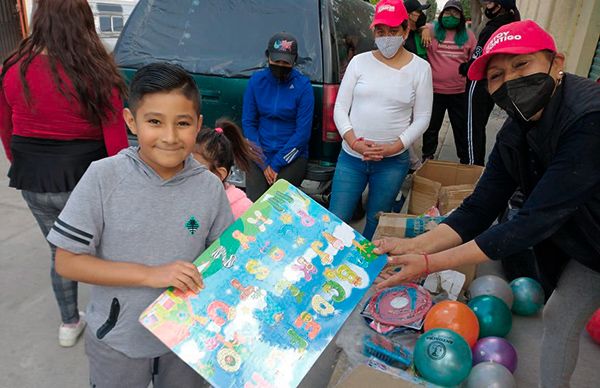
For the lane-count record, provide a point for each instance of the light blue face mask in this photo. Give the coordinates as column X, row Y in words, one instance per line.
column 389, row 45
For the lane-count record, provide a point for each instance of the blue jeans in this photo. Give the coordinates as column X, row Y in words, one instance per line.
column 46, row 208
column 351, row 178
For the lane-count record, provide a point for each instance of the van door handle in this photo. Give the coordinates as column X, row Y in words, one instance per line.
column 211, row 95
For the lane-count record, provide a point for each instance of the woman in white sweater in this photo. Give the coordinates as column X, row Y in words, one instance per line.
column 383, row 106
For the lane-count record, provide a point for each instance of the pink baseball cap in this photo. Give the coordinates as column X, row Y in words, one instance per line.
column 524, row 37
column 389, row 12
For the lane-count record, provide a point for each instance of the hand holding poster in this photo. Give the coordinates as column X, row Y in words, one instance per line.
column 279, row 284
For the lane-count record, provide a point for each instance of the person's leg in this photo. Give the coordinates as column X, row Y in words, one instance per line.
column 574, row 300
column 457, row 111
column 110, row 368
column 171, row 371
column 294, row 172
column 430, row 137
column 46, row 208
column 479, row 108
column 385, row 180
column 349, row 182
column 256, row 183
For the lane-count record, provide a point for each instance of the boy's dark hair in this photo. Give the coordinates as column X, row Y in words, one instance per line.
column 223, row 146
column 162, row 77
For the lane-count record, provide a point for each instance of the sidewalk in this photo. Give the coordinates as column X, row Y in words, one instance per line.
column 31, row 356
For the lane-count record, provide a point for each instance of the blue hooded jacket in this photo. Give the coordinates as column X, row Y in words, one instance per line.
column 278, row 116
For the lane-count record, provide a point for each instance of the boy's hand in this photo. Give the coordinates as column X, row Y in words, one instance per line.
column 180, row 274
column 393, row 246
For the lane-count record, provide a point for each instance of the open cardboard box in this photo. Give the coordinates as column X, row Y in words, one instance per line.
column 442, row 184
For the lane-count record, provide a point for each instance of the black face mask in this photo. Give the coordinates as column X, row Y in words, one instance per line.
column 523, row 97
column 280, row 72
column 421, row 21
column 490, row 14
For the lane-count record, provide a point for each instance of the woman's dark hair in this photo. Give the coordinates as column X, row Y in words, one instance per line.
column 225, row 145
column 65, row 31
column 162, row 77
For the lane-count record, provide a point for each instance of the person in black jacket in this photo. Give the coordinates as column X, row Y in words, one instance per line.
column 549, row 148
column 479, row 102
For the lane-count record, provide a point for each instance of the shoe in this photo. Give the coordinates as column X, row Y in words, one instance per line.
column 68, row 333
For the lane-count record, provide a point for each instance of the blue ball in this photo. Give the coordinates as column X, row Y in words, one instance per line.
column 528, row 296
column 494, row 316
column 443, row 357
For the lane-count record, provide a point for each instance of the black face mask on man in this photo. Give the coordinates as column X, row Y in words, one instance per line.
column 523, row 97
column 280, row 72
column 491, row 13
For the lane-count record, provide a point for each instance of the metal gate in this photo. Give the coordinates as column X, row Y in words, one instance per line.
column 595, row 68
column 10, row 27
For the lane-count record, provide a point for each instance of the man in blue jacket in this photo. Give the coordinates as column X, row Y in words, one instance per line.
column 277, row 117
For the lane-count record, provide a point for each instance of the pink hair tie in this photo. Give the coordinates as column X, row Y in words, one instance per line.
column 219, row 130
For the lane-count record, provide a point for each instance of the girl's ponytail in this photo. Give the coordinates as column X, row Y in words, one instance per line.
column 244, row 152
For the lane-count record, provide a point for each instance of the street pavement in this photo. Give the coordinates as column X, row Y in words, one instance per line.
column 29, row 319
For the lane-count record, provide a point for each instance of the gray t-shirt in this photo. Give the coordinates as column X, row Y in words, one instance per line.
column 121, row 210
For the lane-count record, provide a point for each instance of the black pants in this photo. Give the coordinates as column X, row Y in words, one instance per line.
column 479, row 108
column 256, row 183
column 456, row 106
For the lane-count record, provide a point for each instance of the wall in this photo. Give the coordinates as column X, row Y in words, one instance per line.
column 575, row 25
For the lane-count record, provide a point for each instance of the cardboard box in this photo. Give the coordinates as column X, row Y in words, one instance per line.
column 365, row 376
column 442, row 184
column 405, row 225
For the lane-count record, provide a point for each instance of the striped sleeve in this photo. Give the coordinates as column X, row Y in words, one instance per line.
column 79, row 226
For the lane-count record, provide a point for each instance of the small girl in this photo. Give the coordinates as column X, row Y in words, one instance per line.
column 218, row 149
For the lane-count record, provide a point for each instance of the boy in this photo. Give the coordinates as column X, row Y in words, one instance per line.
column 109, row 235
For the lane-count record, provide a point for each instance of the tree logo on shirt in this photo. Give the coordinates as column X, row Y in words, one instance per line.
column 192, row 225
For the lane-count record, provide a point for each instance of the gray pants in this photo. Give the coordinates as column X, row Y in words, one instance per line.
column 46, row 208
column 572, row 303
column 256, row 183
column 112, row 369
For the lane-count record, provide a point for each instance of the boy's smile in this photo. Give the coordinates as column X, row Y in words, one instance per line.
column 166, row 125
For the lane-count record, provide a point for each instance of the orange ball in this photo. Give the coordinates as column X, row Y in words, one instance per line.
column 455, row 316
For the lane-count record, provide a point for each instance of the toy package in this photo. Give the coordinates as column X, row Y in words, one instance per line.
column 279, row 284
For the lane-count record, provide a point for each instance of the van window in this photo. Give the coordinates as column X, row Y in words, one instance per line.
column 226, row 38
column 353, row 36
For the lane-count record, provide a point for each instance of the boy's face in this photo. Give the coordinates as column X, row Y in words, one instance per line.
column 166, row 125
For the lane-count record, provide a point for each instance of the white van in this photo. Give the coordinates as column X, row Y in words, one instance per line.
column 110, row 17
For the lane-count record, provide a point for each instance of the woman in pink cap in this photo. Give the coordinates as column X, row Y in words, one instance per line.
column 383, row 106
column 549, row 148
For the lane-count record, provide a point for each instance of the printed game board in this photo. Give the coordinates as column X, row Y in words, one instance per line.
column 279, row 284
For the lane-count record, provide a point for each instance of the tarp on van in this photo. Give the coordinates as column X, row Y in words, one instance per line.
column 219, row 37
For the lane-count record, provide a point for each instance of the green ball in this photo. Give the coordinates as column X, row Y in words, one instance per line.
column 494, row 316
column 443, row 357
column 528, row 296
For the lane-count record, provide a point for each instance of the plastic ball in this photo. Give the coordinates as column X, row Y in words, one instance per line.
column 455, row 316
column 529, row 296
column 593, row 326
column 490, row 375
column 492, row 285
column 495, row 349
column 443, row 357
column 494, row 316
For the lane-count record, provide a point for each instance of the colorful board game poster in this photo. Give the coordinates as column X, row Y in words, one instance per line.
column 279, row 284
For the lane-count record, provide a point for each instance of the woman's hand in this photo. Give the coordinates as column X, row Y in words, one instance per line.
column 426, row 36
column 393, row 246
column 180, row 274
column 270, row 175
column 369, row 150
column 401, row 269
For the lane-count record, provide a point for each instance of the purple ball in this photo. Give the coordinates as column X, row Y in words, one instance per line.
column 495, row 349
